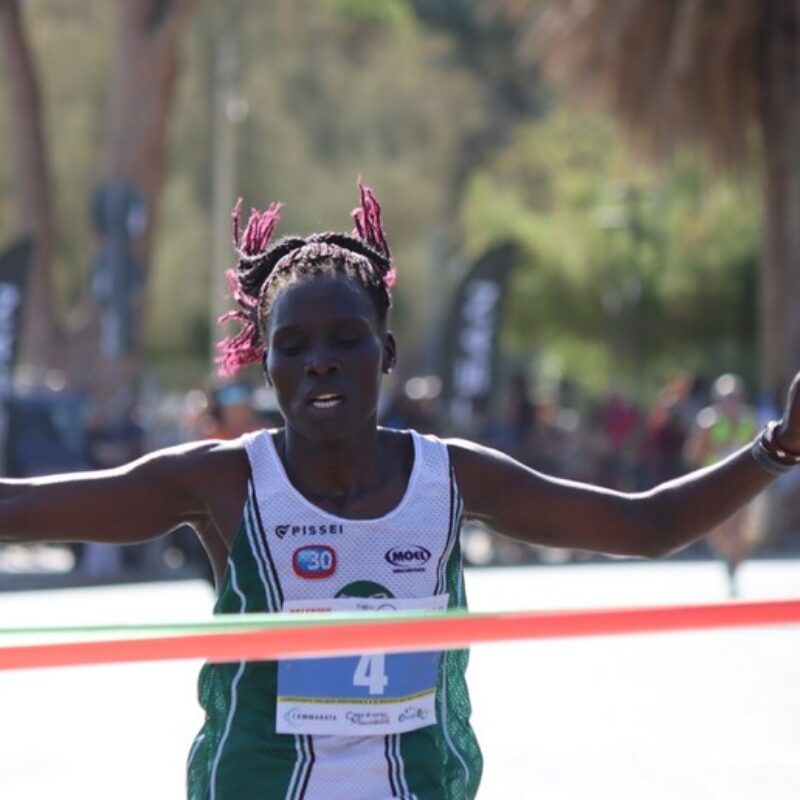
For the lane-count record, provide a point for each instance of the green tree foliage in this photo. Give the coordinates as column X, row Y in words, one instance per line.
column 328, row 96
column 628, row 271
column 392, row 12
column 428, row 100
column 72, row 65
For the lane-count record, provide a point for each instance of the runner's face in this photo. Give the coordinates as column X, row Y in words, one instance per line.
column 326, row 352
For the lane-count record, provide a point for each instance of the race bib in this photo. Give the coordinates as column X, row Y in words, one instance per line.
column 369, row 695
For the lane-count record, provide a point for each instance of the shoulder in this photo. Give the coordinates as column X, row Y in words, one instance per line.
column 205, row 450
column 479, row 469
column 195, row 465
column 467, row 456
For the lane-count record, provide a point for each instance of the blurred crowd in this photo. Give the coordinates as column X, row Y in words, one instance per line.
column 570, row 433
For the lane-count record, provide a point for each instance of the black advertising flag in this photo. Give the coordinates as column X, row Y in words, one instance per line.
column 14, row 265
column 473, row 331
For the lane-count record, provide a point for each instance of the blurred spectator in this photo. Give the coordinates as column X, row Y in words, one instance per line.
column 669, row 421
column 511, row 430
column 416, row 405
column 722, row 428
column 115, row 441
column 546, row 439
column 229, row 414
column 619, row 422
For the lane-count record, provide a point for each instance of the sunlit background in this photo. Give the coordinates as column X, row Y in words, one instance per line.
column 593, row 208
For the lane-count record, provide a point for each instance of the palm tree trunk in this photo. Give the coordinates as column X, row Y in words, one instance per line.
column 143, row 82
column 143, row 85
column 780, row 263
column 38, row 338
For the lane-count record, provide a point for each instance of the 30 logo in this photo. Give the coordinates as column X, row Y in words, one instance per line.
column 408, row 558
column 314, row 561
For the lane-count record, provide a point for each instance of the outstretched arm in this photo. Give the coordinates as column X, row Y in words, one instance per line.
column 132, row 503
column 524, row 504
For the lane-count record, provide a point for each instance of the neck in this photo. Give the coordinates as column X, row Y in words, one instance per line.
column 336, row 470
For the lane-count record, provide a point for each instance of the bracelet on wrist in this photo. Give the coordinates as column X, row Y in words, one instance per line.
column 770, row 455
column 775, row 449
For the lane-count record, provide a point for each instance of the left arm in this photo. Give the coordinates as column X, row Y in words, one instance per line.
column 524, row 504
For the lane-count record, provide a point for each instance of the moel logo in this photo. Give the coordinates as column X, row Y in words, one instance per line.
column 314, row 561
column 408, row 558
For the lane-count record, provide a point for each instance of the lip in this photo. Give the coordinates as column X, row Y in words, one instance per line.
column 324, row 399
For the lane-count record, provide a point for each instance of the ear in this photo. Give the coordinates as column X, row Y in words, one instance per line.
column 265, row 369
column 389, row 353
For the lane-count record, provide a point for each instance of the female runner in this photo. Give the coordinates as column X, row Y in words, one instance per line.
column 332, row 511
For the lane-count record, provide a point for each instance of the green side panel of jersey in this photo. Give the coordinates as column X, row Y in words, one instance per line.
column 248, row 770
column 444, row 761
column 228, row 760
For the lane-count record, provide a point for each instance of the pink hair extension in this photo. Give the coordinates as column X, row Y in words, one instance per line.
column 237, row 291
column 236, row 218
column 368, row 221
column 244, row 347
column 241, row 349
column 260, row 225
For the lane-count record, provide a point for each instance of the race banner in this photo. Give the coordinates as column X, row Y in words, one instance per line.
column 14, row 265
column 473, row 331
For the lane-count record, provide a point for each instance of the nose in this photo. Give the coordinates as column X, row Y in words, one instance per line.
column 321, row 362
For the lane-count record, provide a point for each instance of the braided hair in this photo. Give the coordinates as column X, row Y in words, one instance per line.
column 264, row 269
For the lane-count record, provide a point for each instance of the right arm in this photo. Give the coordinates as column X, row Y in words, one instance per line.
column 132, row 503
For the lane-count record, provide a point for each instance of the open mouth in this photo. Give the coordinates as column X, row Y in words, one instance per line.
column 327, row 400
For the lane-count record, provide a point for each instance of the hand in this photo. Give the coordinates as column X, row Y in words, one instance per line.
column 788, row 432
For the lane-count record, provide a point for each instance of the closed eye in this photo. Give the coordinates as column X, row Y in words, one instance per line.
column 290, row 345
column 349, row 335
column 349, row 340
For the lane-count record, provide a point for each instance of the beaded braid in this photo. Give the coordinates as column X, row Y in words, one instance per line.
column 263, row 270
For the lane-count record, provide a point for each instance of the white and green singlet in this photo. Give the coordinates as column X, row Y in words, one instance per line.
column 377, row 727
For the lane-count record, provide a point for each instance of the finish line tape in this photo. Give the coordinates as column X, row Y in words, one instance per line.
column 258, row 637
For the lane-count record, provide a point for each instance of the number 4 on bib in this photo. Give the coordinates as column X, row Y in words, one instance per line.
column 360, row 695
column 371, row 673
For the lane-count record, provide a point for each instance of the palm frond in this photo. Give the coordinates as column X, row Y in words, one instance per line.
column 671, row 71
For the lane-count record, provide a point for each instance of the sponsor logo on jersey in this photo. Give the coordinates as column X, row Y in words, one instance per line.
column 314, row 561
column 364, row 589
column 332, row 529
column 408, row 558
column 412, row 712
column 367, row 717
column 297, row 716
column 368, row 590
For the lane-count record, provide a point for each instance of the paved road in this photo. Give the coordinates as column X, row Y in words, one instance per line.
column 695, row 716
